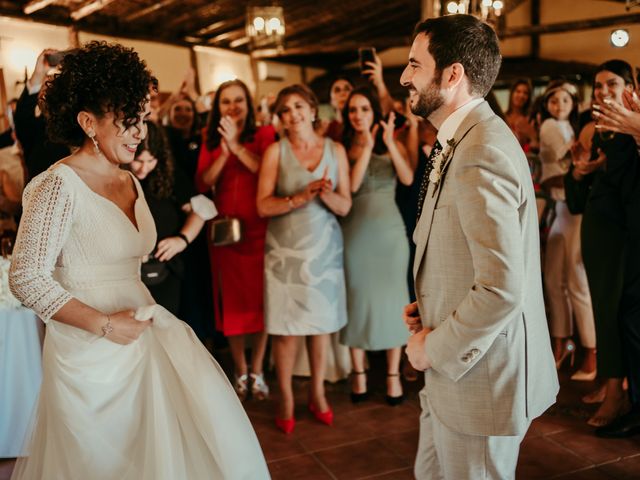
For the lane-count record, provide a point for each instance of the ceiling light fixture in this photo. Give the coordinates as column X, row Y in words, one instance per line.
column 483, row 9
column 265, row 26
column 619, row 38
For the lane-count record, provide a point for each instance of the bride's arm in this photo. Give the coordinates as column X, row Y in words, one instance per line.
column 44, row 229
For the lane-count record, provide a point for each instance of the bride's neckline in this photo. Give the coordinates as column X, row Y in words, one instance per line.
column 132, row 221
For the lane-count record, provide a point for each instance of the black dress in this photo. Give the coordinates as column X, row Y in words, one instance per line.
column 169, row 219
column 196, row 307
column 609, row 248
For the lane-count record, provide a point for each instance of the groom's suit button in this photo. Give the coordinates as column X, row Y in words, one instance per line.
column 475, row 352
column 466, row 358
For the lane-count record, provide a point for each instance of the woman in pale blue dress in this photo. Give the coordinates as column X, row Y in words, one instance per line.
column 375, row 242
column 303, row 185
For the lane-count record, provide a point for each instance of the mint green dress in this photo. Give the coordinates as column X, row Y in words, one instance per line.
column 376, row 257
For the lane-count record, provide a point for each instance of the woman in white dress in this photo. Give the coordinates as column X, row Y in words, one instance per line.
column 128, row 391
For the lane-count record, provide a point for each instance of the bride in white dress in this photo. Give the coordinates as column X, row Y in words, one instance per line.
column 128, row 391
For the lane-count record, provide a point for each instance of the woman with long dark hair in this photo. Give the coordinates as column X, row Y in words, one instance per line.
column 178, row 213
column 600, row 185
column 376, row 247
column 228, row 164
column 517, row 114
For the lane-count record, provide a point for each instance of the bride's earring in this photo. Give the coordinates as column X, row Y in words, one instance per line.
column 96, row 148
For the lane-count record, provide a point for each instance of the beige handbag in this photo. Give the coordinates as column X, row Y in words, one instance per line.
column 226, row 230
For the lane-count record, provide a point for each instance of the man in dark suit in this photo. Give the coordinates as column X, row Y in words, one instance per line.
column 39, row 152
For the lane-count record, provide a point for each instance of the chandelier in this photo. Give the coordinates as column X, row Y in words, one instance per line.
column 484, row 9
column 265, row 27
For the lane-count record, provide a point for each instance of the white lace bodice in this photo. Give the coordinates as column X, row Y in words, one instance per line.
column 66, row 225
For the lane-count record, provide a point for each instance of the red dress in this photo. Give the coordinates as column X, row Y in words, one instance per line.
column 237, row 270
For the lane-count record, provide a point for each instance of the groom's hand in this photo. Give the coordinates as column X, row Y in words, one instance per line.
column 416, row 351
column 411, row 317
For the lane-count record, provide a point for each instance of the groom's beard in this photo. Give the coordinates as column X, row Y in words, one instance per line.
column 429, row 100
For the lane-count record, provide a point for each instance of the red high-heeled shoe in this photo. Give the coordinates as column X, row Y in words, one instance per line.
column 286, row 424
column 323, row 417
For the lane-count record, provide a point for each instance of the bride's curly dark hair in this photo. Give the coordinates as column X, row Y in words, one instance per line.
column 99, row 78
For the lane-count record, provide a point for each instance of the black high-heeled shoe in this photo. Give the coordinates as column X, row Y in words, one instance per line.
column 359, row 397
column 394, row 401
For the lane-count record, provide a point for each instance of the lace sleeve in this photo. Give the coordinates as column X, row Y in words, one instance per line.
column 44, row 228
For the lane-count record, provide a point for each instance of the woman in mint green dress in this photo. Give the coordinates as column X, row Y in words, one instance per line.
column 376, row 251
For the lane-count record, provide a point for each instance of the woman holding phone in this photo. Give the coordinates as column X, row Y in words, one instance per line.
column 303, row 185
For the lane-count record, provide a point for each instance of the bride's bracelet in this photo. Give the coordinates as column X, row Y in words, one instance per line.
column 107, row 328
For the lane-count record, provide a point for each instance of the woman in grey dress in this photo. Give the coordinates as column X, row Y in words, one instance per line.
column 375, row 242
column 303, row 185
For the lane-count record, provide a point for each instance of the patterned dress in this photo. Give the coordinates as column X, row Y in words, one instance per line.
column 304, row 277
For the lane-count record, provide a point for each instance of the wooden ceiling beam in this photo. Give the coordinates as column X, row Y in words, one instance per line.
column 573, row 26
column 234, row 34
column 336, row 27
column 35, row 5
column 89, row 9
column 205, row 11
column 373, row 30
column 148, row 10
column 385, row 42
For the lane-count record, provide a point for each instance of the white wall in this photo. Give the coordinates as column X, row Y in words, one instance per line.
column 216, row 65
column 20, row 44
column 22, row 41
column 590, row 46
column 168, row 63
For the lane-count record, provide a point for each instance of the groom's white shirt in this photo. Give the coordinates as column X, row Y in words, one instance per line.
column 448, row 128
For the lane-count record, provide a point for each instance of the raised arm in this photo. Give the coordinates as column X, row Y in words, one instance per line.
column 375, row 73
column 397, row 152
column 210, row 166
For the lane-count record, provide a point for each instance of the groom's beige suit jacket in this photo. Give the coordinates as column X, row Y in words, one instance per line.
column 479, row 287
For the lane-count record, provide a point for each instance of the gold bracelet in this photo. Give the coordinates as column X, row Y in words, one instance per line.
column 107, row 328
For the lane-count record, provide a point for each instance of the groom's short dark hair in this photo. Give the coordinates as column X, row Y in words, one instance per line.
column 466, row 40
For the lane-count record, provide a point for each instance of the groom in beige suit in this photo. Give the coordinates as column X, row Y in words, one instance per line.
column 478, row 328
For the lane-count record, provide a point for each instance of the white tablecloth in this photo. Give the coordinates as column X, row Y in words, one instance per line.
column 20, row 376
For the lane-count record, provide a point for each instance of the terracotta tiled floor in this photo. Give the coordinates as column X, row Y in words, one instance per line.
column 374, row 441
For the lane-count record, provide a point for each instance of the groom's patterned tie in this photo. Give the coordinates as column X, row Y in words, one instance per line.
column 424, row 185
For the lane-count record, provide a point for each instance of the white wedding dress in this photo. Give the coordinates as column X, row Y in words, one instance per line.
column 159, row 408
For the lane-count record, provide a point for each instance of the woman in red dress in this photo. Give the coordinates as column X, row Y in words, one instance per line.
column 228, row 164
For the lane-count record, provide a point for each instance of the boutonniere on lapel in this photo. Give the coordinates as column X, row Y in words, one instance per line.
column 439, row 162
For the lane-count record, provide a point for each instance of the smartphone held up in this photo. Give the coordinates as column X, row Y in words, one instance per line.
column 366, row 54
column 54, row 58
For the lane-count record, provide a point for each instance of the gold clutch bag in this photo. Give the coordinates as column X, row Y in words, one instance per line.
column 225, row 231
